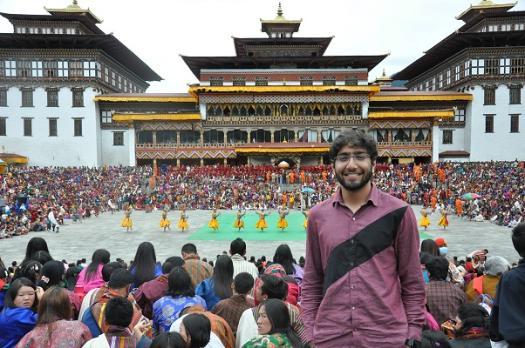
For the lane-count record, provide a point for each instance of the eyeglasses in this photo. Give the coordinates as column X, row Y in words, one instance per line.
column 346, row 157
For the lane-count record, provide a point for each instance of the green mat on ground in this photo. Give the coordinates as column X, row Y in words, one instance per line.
column 294, row 231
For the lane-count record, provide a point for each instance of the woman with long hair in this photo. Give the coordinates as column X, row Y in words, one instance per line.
column 219, row 285
column 35, row 244
column 18, row 316
column 274, row 327
column 283, row 256
column 30, row 269
column 53, row 273
column 54, row 327
column 145, row 266
column 91, row 276
column 180, row 294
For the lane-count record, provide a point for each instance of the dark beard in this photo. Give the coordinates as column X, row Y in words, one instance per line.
column 356, row 186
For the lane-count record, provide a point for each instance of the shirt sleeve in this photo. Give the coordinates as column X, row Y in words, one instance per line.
column 410, row 276
column 312, row 286
column 247, row 328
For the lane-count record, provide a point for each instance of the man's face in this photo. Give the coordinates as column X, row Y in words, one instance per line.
column 353, row 168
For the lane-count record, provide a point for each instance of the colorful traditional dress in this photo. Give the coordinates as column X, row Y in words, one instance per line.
column 282, row 223
column 164, row 222
column 443, row 221
column 183, row 221
column 167, row 309
column 261, row 223
column 276, row 340
column 214, row 224
column 239, row 222
column 127, row 222
column 424, row 221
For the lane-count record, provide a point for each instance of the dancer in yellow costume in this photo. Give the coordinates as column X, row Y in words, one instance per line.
column 127, row 222
column 239, row 222
column 282, row 223
column 164, row 222
column 443, row 221
column 305, row 223
column 261, row 223
column 214, row 224
column 183, row 220
column 424, row 221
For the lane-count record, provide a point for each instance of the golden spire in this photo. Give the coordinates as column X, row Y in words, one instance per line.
column 279, row 12
column 486, row 3
column 74, row 5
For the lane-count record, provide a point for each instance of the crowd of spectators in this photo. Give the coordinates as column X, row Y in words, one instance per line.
column 235, row 301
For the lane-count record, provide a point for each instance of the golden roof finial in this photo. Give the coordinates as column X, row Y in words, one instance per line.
column 74, row 4
column 384, row 72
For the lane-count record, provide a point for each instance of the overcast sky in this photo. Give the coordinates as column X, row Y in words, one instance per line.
column 158, row 31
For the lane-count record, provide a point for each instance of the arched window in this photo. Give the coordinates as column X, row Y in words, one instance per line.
column 341, row 111
column 267, row 111
column 332, row 110
column 300, row 112
column 235, row 111
column 283, row 110
column 317, row 112
column 243, row 111
column 251, row 111
column 226, row 111
column 325, row 111
column 259, row 111
column 211, row 112
column 308, row 111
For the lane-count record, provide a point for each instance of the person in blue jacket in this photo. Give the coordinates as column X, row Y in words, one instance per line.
column 219, row 285
column 18, row 316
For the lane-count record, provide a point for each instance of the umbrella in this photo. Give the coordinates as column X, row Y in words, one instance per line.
column 283, row 165
column 307, row 190
column 470, row 196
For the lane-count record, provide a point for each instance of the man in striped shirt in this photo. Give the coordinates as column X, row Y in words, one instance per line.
column 237, row 251
column 196, row 268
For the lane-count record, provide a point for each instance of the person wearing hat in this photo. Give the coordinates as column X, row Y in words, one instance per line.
column 495, row 266
column 454, row 274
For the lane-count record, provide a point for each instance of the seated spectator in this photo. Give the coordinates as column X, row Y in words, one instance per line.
column 283, row 256
column 168, row 340
column 118, row 286
column 278, row 271
column 237, row 252
column 118, row 315
column 180, row 294
column 195, row 330
column 232, row 308
column 54, row 327
column 495, row 266
column 18, row 316
column 145, row 266
column 151, row 291
column 91, row 276
column 274, row 327
column 443, row 297
column 271, row 287
column 472, row 327
column 91, row 296
column 219, row 285
column 507, row 322
column 219, row 326
column 196, row 268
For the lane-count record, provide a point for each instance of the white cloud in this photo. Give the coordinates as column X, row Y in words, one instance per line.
column 158, row 31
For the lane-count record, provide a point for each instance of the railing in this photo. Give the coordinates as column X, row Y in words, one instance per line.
column 180, row 145
column 404, row 143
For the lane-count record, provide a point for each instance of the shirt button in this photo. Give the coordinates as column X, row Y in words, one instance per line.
column 352, row 287
column 353, row 218
column 351, row 241
column 353, row 308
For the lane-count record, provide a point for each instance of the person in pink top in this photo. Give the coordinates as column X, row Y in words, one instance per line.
column 91, row 276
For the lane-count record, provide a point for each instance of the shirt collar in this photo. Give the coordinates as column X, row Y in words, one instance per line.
column 373, row 197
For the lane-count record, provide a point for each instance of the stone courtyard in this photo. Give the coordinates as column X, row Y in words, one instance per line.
column 78, row 240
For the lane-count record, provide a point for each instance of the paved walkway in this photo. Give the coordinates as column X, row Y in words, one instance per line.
column 77, row 240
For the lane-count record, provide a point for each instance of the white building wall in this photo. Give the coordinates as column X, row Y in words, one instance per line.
column 502, row 145
column 458, row 140
column 114, row 155
column 42, row 150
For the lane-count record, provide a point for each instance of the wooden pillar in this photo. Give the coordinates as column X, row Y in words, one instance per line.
column 202, row 162
column 272, row 130
column 202, row 137
column 154, row 137
column 225, row 131
column 322, row 160
column 178, row 162
column 225, row 161
column 178, row 137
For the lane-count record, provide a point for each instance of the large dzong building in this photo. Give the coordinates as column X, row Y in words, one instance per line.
column 67, row 85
